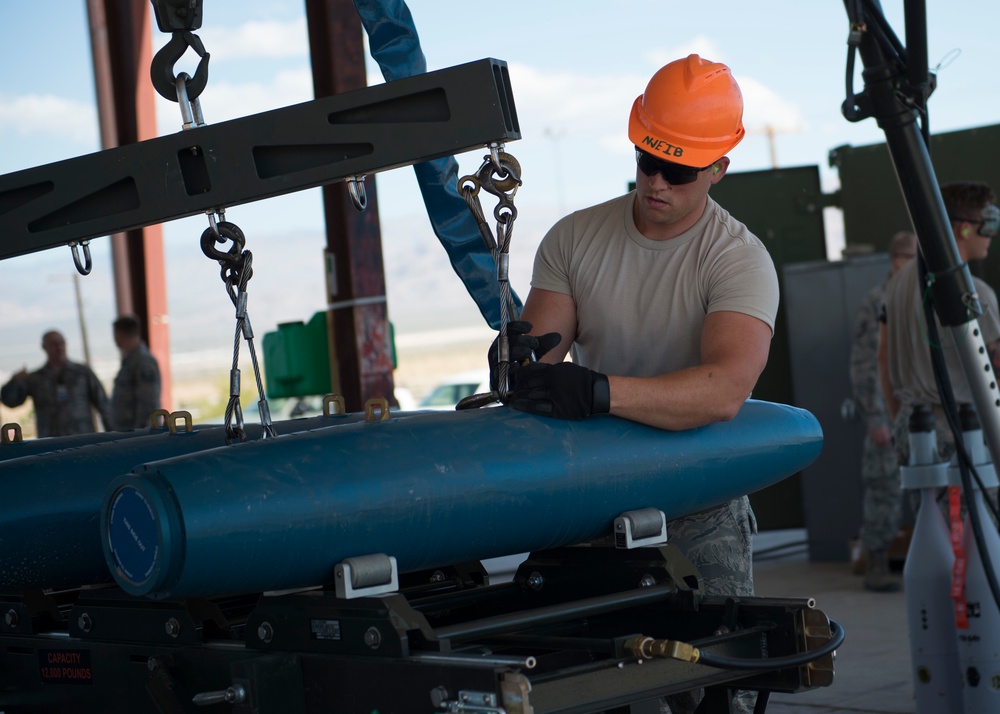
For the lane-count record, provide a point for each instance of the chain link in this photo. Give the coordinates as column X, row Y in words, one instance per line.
column 237, row 269
column 500, row 175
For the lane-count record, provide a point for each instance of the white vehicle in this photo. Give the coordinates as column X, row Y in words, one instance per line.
column 312, row 405
column 454, row 389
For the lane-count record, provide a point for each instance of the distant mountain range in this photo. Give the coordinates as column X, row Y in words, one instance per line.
column 287, row 285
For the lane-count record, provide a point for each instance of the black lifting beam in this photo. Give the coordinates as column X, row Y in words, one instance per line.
column 210, row 167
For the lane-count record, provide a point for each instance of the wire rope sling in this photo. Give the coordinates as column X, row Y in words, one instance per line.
column 235, row 260
column 500, row 175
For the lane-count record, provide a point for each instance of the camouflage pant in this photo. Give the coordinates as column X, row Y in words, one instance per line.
column 881, row 507
column 719, row 543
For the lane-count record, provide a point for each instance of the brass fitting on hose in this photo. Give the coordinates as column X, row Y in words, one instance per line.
column 647, row 648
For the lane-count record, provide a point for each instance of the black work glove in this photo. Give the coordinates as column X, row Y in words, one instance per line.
column 564, row 391
column 520, row 347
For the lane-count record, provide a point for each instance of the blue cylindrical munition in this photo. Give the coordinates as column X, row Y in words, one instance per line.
column 49, row 444
column 50, row 512
column 435, row 489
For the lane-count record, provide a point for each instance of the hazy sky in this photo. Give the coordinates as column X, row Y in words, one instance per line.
column 575, row 69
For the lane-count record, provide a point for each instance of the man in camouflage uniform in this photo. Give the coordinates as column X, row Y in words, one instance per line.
column 882, row 504
column 136, row 393
column 62, row 392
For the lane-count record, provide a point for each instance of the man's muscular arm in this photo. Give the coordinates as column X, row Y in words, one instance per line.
column 734, row 349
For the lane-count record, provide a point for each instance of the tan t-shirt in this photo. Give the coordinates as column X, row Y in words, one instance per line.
column 641, row 303
column 909, row 345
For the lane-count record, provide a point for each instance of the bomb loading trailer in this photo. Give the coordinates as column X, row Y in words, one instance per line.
column 158, row 593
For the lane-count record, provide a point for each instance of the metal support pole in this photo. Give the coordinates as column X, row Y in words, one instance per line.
column 122, row 48
column 982, row 382
column 955, row 299
column 357, row 313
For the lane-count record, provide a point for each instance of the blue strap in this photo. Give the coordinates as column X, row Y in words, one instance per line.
column 394, row 44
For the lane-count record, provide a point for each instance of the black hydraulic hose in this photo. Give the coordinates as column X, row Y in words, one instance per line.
column 761, row 704
column 977, row 531
column 773, row 663
column 850, row 108
column 916, row 33
column 965, row 464
column 964, row 461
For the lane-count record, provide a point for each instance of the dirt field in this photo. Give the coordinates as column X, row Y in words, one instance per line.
column 202, row 386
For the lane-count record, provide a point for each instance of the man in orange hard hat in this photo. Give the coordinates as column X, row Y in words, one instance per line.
column 666, row 302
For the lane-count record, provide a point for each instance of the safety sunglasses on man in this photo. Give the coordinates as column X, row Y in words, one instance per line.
column 674, row 174
column 989, row 223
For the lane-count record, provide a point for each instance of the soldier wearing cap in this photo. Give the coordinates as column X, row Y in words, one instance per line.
column 882, row 503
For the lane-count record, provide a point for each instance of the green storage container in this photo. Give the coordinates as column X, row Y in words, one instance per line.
column 297, row 359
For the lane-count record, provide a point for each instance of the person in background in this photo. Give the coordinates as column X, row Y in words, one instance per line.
column 905, row 366
column 666, row 302
column 136, row 393
column 65, row 394
column 881, row 507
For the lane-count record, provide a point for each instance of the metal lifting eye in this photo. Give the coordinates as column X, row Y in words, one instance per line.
column 220, row 233
column 11, row 434
column 469, row 184
column 356, row 187
column 500, row 178
column 83, row 268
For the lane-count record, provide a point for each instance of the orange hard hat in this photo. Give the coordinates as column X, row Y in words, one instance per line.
column 691, row 113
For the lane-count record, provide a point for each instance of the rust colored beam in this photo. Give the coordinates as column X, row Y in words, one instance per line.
column 121, row 45
column 357, row 314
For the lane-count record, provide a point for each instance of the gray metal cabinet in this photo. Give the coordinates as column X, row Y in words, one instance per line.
column 821, row 302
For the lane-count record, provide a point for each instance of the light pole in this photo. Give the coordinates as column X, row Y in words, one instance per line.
column 75, row 277
column 555, row 136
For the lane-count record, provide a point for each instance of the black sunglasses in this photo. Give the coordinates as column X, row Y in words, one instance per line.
column 989, row 224
column 674, row 174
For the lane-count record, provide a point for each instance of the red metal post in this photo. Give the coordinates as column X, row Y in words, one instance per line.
column 121, row 44
column 357, row 315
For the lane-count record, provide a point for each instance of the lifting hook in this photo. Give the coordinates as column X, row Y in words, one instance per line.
column 161, row 69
